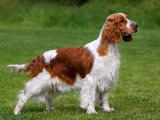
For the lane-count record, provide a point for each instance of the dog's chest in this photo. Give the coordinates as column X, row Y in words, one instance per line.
column 106, row 68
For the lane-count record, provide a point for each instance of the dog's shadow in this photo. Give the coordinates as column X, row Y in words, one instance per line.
column 67, row 103
column 70, row 109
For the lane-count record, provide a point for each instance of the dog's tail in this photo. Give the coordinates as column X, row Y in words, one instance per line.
column 17, row 67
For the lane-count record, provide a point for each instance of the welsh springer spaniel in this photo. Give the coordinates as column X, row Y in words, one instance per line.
column 92, row 68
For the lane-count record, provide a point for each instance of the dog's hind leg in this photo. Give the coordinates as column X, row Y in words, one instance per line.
column 33, row 88
column 22, row 99
column 49, row 105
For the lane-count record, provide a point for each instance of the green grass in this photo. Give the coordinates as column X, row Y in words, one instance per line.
column 90, row 15
column 28, row 29
column 136, row 95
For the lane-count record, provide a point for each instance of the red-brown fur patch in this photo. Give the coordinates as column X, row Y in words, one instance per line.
column 36, row 66
column 68, row 63
column 111, row 33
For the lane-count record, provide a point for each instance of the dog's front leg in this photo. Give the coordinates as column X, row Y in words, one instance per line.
column 88, row 95
column 105, row 102
column 91, row 101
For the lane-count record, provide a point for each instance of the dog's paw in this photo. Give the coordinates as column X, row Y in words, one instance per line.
column 83, row 106
column 16, row 112
column 91, row 112
column 49, row 108
column 108, row 109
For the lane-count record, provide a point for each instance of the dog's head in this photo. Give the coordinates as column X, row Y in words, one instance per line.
column 120, row 26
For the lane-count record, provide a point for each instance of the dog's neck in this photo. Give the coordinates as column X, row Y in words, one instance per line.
column 102, row 45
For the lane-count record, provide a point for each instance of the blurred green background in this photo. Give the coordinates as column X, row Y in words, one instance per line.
column 30, row 27
column 76, row 13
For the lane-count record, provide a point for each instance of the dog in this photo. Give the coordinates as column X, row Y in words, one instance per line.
column 93, row 68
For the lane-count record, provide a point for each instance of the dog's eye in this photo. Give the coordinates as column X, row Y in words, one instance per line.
column 121, row 21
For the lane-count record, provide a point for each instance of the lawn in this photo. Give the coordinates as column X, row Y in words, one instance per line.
column 136, row 95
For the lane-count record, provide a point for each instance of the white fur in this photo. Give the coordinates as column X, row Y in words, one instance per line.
column 41, row 88
column 101, row 78
column 49, row 55
column 104, row 72
column 103, row 75
column 17, row 67
column 129, row 24
column 128, row 21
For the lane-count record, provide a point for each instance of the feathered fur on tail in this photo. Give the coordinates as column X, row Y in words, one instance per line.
column 17, row 68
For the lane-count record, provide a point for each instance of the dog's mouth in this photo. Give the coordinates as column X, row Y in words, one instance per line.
column 126, row 36
column 124, row 33
column 129, row 33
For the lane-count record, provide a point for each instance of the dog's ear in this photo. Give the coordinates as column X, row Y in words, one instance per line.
column 111, row 32
column 127, row 38
column 116, row 34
